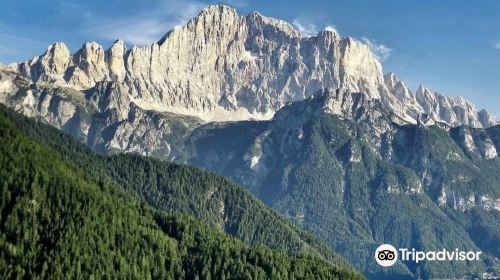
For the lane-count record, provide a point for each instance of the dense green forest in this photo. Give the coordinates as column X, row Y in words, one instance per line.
column 182, row 189
column 60, row 220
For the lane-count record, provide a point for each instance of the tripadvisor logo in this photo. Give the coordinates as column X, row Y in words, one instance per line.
column 387, row 255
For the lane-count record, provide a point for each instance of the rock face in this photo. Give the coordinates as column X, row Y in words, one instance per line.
column 222, row 66
column 437, row 107
column 342, row 159
column 355, row 174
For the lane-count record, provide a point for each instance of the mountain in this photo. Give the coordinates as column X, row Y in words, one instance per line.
column 453, row 111
column 358, row 179
column 310, row 125
column 220, row 66
column 60, row 220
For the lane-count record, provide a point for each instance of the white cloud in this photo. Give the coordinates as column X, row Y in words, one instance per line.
column 143, row 29
column 307, row 30
column 381, row 51
column 497, row 46
column 311, row 29
column 331, row 28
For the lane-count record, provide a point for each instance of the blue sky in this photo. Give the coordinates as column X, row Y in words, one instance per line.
column 451, row 46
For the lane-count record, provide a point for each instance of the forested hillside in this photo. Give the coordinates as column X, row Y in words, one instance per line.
column 361, row 183
column 59, row 221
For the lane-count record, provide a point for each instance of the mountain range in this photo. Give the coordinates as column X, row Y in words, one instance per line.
column 310, row 125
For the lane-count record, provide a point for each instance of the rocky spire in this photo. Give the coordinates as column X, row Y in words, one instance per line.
column 115, row 61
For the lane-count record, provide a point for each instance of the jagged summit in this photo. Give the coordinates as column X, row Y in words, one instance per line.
column 222, row 66
column 218, row 9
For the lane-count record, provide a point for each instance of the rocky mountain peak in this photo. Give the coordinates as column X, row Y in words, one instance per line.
column 398, row 88
column 221, row 66
column 391, row 80
column 91, row 59
column 327, row 39
column 56, row 59
column 361, row 70
column 214, row 17
column 117, row 49
column 116, row 61
column 217, row 10
column 424, row 94
column 453, row 111
column 258, row 21
column 57, row 49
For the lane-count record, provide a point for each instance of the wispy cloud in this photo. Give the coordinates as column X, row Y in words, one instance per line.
column 307, row 29
column 497, row 46
column 381, row 51
column 145, row 28
column 330, row 28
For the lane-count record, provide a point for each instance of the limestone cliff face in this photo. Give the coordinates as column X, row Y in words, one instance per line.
column 221, row 66
column 453, row 111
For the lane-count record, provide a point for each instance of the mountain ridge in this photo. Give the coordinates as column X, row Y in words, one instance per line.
column 221, row 66
column 359, row 179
